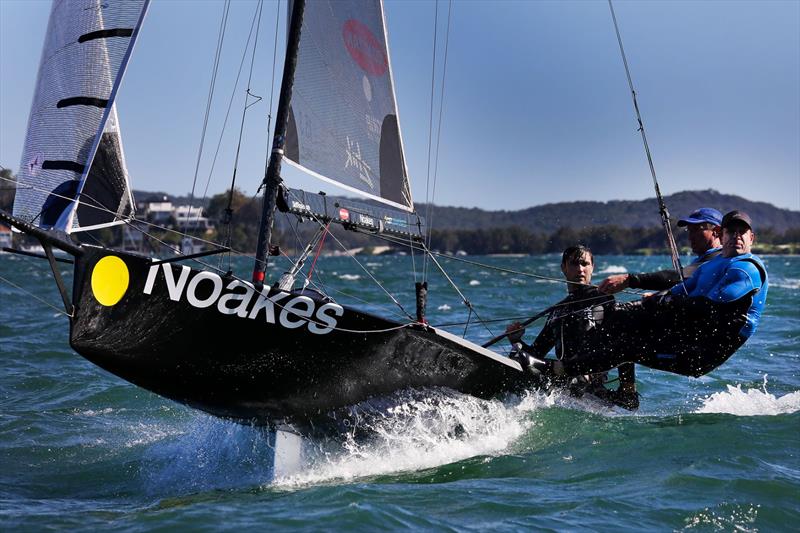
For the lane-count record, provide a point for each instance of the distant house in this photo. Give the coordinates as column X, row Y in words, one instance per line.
column 190, row 218
column 158, row 212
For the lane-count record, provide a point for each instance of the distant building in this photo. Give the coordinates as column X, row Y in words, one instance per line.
column 189, row 218
column 158, row 212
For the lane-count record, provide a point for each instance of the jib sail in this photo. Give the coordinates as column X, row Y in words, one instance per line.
column 343, row 125
column 72, row 175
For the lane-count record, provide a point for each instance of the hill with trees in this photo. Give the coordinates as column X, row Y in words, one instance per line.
column 613, row 227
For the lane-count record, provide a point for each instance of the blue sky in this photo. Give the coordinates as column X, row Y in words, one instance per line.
column 536, row 108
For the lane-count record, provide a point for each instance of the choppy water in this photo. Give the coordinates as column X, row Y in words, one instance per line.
column 82, row 449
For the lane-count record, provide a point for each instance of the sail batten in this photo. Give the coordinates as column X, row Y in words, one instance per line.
column 343, row 126
column 73, row 176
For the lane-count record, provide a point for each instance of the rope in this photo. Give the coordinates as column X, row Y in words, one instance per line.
column 319, row 251
column 463, row 298
column 387, row 238
column 662, row 208
column 394, row 240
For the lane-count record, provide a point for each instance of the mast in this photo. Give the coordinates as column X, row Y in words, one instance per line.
column 272, row 178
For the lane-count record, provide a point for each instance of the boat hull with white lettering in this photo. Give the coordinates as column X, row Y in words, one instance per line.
column 216, row 344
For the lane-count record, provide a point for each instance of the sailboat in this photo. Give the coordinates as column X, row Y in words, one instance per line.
column 253, row 350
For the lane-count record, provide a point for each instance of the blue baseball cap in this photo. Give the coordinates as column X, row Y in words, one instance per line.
column 702, row 215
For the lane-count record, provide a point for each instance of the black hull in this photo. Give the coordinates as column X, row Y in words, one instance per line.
column 231, row 353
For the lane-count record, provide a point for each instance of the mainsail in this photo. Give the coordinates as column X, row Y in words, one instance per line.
column 72, row 175
column 343, row 125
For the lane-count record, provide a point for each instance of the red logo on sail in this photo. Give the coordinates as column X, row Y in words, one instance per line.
column 364, row 47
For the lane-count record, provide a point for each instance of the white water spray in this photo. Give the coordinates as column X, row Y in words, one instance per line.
column 750, row 402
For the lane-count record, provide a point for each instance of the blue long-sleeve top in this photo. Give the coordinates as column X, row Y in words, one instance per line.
column 727, row 279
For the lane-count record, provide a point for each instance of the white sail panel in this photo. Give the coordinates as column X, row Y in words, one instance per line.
column 343, row 124
column 73, row 153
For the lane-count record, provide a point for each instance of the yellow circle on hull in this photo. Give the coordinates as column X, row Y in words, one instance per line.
column 110, row 280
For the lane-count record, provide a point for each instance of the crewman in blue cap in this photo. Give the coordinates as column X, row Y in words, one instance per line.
column 693, row 328
column 704, row 229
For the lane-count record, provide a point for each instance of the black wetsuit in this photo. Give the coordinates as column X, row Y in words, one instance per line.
column 571, row 322
column 569, row 329
column 687, row 335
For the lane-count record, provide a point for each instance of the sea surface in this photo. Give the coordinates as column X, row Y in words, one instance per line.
column 81, row 449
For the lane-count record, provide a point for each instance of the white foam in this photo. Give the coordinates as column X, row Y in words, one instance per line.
column 423, row 432
column 349, row 277
column 613, row 269
column 443, row 307
column 143, row 434
column 726, row 517
column 474, row 282
column 785, row 283
column 92, row 412
column 750, row 402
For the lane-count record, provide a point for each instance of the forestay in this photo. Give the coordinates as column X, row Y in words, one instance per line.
column 72, row 175
column 343, row 125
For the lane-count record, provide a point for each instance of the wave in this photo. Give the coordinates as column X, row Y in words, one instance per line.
column 443, row 307
column 613, row 269
column 350, row 277
column 785, row 283
column 474, row 282
column 750, row 402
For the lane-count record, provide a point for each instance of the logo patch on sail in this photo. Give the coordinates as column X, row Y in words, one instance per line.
column 364, row 47
column 207, row 289
column 110, row 279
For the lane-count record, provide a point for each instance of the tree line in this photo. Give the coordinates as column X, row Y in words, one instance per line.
column 603, row 240
column 242, row 233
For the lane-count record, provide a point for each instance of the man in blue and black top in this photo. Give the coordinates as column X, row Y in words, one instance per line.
column 568, row 330
column 693, row 328
column 704, row 229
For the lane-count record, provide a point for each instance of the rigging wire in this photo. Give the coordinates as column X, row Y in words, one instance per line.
column 463, row 298
column 227, row 115
column 431, row 211
column 388, row 238
column 229, row 210
column 395, row 240
column 662, row 207
column 272, row 87
column 319, row 251
column 430, row 126
column 131, row 224
column 214, row 70
column 366, row 271
column 29, row 293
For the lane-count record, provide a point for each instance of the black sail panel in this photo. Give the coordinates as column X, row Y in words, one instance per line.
column 392, row 166
column 106, row 196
